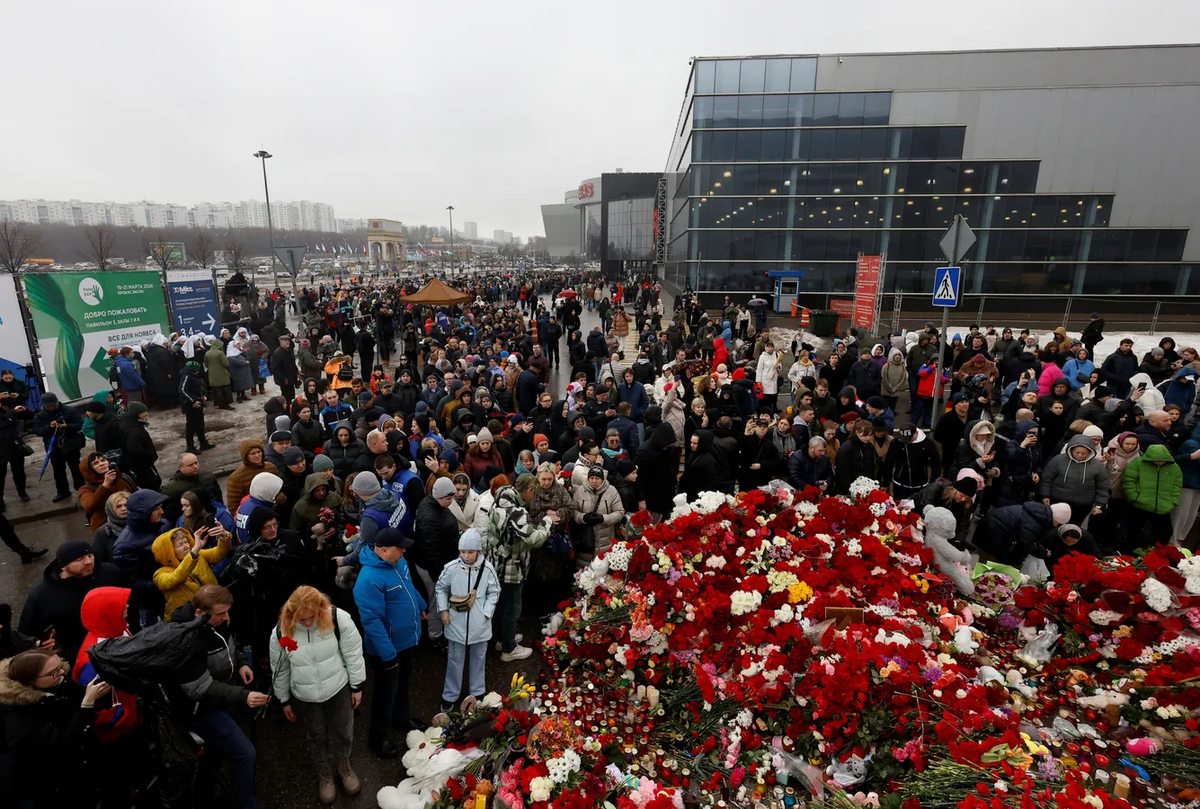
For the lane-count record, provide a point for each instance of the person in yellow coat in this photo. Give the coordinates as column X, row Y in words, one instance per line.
column 186, row 564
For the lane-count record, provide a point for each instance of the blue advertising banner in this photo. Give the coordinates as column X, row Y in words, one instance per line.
column 193, row 301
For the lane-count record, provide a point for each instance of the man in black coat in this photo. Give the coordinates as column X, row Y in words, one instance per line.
column 810, row 467
column 283, row 368
column 53, row 604
column 1119, row 367
column 60, row 424
column 864, row 376
column 138, row 454
column 552, row 338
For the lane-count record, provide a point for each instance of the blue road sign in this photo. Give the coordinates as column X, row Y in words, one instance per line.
column 945, row 286
column 193, row 301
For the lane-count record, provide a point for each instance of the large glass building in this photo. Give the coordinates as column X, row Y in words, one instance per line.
column 1074, row 167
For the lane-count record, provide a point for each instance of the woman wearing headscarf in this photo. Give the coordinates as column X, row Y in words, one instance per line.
column 105, row 536
column 241, row 379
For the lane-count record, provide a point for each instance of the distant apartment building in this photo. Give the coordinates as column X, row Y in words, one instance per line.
column 351, row 225
column 303, row 215
column 471, row 230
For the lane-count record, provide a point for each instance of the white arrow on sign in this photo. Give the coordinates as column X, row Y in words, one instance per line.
column 210, row 321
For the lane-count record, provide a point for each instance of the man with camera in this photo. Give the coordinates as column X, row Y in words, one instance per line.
column 60, row 428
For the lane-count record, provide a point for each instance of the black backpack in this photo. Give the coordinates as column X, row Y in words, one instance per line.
column 345, row 372
column 162, row 654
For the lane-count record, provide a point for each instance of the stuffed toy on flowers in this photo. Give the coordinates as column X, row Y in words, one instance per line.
column 957, row 565
column 429, row 767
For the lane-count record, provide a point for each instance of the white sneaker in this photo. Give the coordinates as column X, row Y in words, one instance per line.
column 518, row 653
column 500, row 644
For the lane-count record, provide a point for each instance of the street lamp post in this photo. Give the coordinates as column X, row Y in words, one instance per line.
column 263, row 154
column 450, row 208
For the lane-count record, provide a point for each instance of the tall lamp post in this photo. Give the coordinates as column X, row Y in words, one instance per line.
column 450, row 208
column 263, row 154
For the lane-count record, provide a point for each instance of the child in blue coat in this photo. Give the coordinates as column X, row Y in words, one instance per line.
column 468, row 620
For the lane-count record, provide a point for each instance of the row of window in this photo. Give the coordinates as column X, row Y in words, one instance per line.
column 796, row 179
column 812, row 109
column 857, row 209
column 998, row 279
column 1103, row 245
column 880, row 143
column 755, row 75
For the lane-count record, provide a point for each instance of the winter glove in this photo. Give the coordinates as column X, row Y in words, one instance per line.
column 593, row 518
column 1039, row 552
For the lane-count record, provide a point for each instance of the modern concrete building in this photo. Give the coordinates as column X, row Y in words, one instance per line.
column 1075, row 168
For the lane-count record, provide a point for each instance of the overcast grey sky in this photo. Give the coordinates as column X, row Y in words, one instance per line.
column 396, row 109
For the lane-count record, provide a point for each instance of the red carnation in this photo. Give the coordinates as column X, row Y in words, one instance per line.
column 288, row 644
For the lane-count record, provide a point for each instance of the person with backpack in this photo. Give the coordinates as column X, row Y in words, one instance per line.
column 222, row 686
column 317, row 673
column 510, row 536
column 467, row 594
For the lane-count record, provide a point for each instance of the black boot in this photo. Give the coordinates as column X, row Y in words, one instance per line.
column 30, row 555
column 204, row 444
column 192, row 449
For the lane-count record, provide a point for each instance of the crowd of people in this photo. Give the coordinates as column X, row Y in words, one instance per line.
column 419, row 466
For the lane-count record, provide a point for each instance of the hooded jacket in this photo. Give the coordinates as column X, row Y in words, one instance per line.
column 94, row 494
column 263, row 494
column 307, row 435
column 864, row 377
column 457, row 579
column 1152, row 399
column 238, row 485
column 179, row 580
column 345, row 456
column 1012, row 532
column 128, row 374
column 322, row 664
column 893, row 377
column 304, row 513
column 389, row 606
column 1189, row 466
column 132, row 550
column 1066, row 480
column 1078, row 372
column 973, row 447
column 1179, row 392
column 1150, row 487
column 103, row 616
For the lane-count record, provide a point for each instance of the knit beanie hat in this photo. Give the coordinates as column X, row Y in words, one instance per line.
column 470, row 541
column 365, row 485
column 321, row 463
column 1061, row 512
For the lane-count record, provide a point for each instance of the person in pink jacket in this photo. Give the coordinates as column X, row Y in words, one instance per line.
column 1050, row 374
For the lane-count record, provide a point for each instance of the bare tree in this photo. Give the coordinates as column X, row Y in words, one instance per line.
column 16, row 245
column 238, row 257
column 201, row 248
column 102, row 246
column 160, row 251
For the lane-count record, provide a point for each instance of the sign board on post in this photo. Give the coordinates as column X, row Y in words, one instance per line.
column 946, row 286
column 193, row 301
column 291, row 258
column 78, row 317
column 866, row 290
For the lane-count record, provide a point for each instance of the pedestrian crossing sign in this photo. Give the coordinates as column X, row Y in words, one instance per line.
column 946, row 286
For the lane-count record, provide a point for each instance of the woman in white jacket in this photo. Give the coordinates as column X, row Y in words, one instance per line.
column 317, row 672
column 465, row 502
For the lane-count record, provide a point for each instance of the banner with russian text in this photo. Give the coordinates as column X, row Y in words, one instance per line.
column 866, row 290
column 78, row 317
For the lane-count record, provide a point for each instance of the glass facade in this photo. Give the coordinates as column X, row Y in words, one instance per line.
column 631, row 229
column 765, row 173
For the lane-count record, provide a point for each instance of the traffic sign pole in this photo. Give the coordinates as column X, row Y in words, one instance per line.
column 955, row 243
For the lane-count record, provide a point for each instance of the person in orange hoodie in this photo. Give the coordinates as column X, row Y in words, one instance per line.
column 102, row 479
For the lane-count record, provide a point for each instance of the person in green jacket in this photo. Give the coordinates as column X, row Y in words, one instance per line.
column 1153, row 482
column 217, row 365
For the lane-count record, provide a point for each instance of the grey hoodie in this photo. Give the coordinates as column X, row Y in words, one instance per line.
column 1065, row 479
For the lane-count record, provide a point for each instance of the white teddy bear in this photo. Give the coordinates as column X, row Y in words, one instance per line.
column 940, row 526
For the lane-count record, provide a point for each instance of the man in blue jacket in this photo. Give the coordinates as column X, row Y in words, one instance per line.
column 131, row 382
column 391, row 610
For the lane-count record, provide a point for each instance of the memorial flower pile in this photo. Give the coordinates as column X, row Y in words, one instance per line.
column 779, row 648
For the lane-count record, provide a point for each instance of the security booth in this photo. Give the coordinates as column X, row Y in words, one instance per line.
column 787, row 288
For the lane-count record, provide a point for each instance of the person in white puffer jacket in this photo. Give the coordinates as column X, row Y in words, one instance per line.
column 317, row 673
